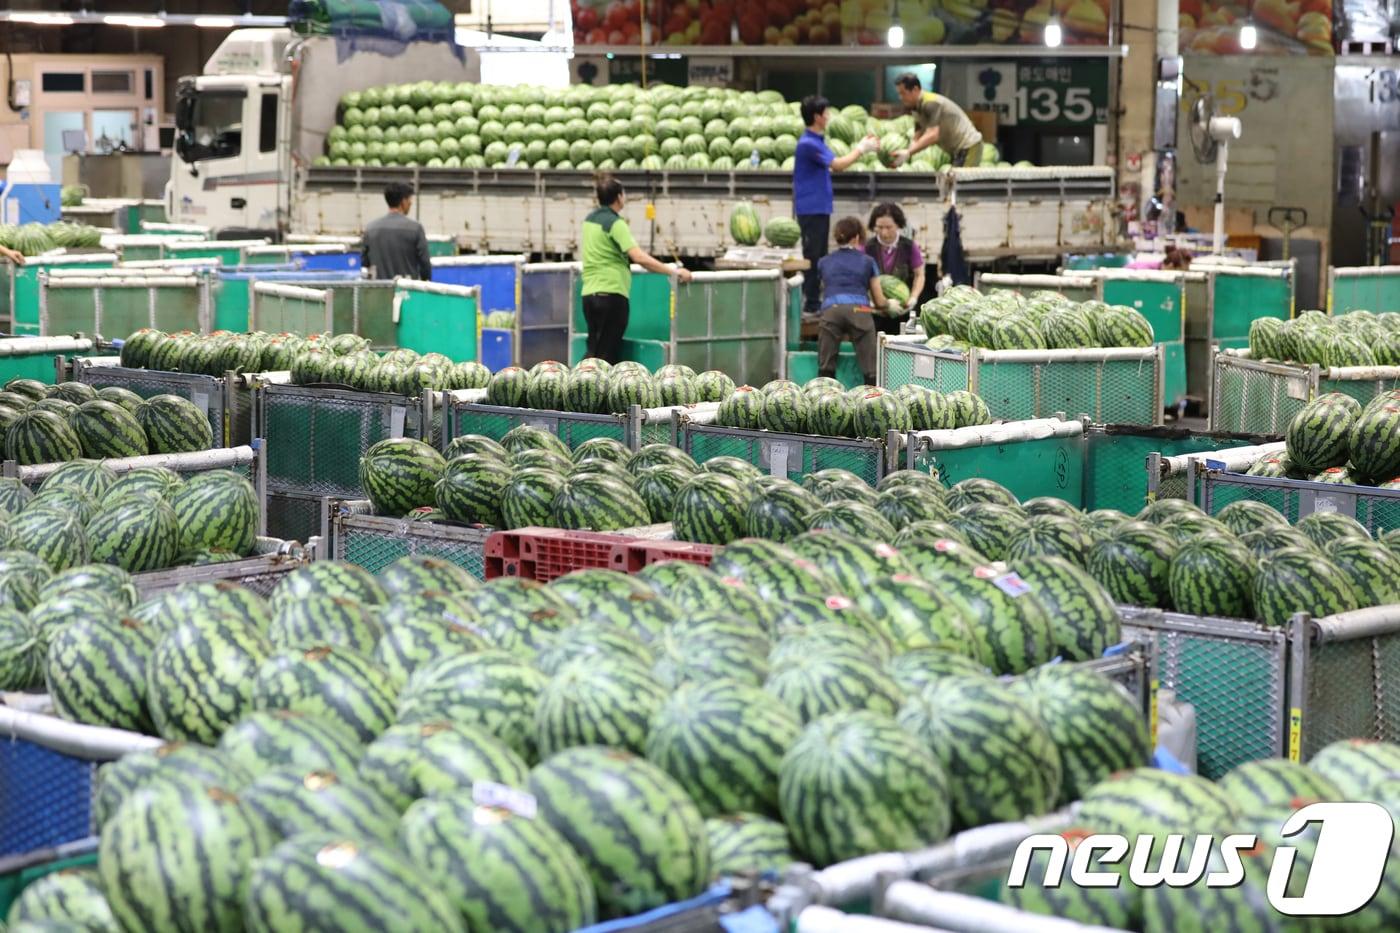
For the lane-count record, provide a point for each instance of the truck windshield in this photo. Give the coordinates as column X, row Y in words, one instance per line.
column 210, row 125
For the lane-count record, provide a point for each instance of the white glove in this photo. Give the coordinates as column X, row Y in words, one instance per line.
column 900, row 158
column 868, row 145
column 894, row 307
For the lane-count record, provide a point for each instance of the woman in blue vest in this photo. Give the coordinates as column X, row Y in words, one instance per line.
column 897, row 255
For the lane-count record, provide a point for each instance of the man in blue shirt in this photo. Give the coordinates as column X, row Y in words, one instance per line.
column 813, row 164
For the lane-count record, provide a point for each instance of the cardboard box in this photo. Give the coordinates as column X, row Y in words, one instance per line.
column 986, row 123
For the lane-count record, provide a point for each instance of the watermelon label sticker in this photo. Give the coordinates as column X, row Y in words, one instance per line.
column 838, row 602
column 503, row 797
column 513, row 156
column 1012, row 585
column 943, row 545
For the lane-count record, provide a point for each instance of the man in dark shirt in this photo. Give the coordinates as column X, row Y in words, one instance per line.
column 395, row 246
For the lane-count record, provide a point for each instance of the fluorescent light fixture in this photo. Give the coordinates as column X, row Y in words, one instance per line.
column 1053, row 34
column 1249, row 37
column 896, row 36
column 41, row 19
column 215, row 22
column 135, row 22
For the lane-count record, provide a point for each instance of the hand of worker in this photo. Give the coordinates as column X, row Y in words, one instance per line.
column 912, row 303
column 13, row 256
column 683, row 274
column 899, row 158
column 868, row 145
column 894, row 307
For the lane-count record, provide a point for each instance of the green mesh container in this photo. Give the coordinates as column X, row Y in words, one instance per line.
column 33, row 357
column 1377, row 509
column 1363, row 288
column 1039, row 458
column 791, row 455
column 1257, row 397
column 27, row 294
column 111, row 308
column 635, row 429
column 1115, row 462
column 375, row 542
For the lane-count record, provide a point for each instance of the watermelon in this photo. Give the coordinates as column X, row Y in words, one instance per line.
column 55, row 537
column 545, row 390
column 654, row 455
column 744, row 225
column 607, row 596
column 22, row 651
column 289, row 742
column 723, row 742
column 588, row 702
column 1115, row 908
column 533, row 458
column 784, row 412
column 192, row 878
column 747, row 844
column 1356, row 766
column 200, row 678
column 832, row 680
column 706, row 645
column 1272, row 783
column 733, row 467
column 475, row 444
column 988, row 527
column 218, row 509
column 852, row 518
column 713, row 386
column 1096, row 725
column 1250, row 515
column 977, row 489
column 772, row 571
column 914, row 614
column 1292, row 580
column 710, row 509
column 13, row 495
column 638, row 834
column 414, row 573
column 95, row 671
column 658, row 488
column 1083, row 620
column 968, row 410
column 174, row 425
column 914, row 670
column 400, row 474
column 41, row 437
column 151, row 482
column 1049, row 536
column 528, row 497
column 491, row 689
column 706, row 593
column 96, row 580
column 71, row 898
column 1212, row 575
column 1147, row 801
column 741, row 408
column 196, row 601
column 1318, row 436
column 501, row 870
column 321, row 802
column 598, row 503
column 1370, row 567
column 856, row 783
column 298, row 883
column 850, row 563
column 591, row 639
column 626, row 389
column 1011, row 625
column 471, row 490
column 135, row 535
column 878, row 412
column 105, row 429
column 1134, row 565
column 1324, row 529
column 832, row 414
column 419, row 629
column 1374, row 443
column 333, row 683
column 415, row 760
column 324, row 620
column 507, row 387
column 782, row 232
column 586, row 390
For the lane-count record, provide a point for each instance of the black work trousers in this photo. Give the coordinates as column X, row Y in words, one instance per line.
column 816, row 237
column 607, row 321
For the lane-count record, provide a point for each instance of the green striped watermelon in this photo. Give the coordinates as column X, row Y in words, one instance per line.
column 87, row 477
column 1326, row 528
column 1147, row 801
column 635, row 829
column 501, row 870
column 55, row 537
column 1371, row 568
column 475, row 444
column 914, row 670
column 706, row 645
column 171, row 764
column 491, row 689
column 1049, row 536
column 977, row 489
column 525, row 436
column 174, row 425
column 607, row 596
column 1273, row 783
column 713, row 386
column 22, row 651
column 658, row 488
column 988, row 527
column 68, row 899
column 1292, row 580
column 1012, row 626
column 1084, row 623
column 153, row 482
column 747, row 844
column 969, row 722
column 902, row 507
column 415, row 760
column 711, row 593
column 723, row 741
column 335, row 683
column 1317, row 436
column 594, row 639
column 324, row 620
column 106, row 429
column 878, row 412
column 415, row 573
column 217, row 509
column 914, row 614
column 586, row 391
column 1374, row 442
column 733, row 467
column 1114, row 908
column 597, row 702
column 652, row 455
column 283, row 740
column 135, row 535
column 741, row 408
column 420, row 629
column 294, row 886
column 400, row 474
column 1355, row 766
column 1212, row 575
column 1134, row 565
column 832, row 680
column 322, row 802
column 1250, row 515
column 597, row 502
column 710, row 509
column 926, row 546
column 97, row 580
column 330, row 578
column 74, row 501
column 1097, row 727
column 96, row 671
column 200, row 678
column 857, row 783
column 41, row 437
column 772, row 571
column 194, row 602
column 192, row 877
column 849, row 562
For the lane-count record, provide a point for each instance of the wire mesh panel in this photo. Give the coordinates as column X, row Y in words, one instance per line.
column 1345, row 669
column 731, row 322
column 375, row 542
column 495, row 421
column 281, row 308
column 259, row 574
column 115, row 307
column 1116, row 463
column 1363, row 288
column 316, row 436
column 229, row 421
column 1377, row 509
column 294, row 517
column 904, row 363
column 1232, row 671
column 47, row 799
column 1043, row 458
column 1255, row 397
column 1362, row 384
column 790, row 455
column 546, row 301
column 26, row 289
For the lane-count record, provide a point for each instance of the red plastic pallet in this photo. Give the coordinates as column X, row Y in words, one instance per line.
column 546, row 553
column 641, row 552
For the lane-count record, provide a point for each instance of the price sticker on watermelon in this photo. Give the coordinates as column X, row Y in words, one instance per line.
column 504, row 797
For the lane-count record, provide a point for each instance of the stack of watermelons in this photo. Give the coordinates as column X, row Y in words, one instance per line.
column 596, row 387
column 1357, row 338
column 823, row 406
column 343, row 359
column 962, row 317
column 507, row 755
column 1256, row 799
column 52, row 424
column 145, row 519
column 1336, row 440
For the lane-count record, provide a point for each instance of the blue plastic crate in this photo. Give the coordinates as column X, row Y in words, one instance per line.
column 497, row 349
column 45, row 797
column 329, row 262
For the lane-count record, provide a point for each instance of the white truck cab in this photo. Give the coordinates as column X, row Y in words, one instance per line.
column 248, row 128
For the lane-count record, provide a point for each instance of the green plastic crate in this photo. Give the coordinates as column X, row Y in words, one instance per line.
column 802, row 367
column 791, row 455
column 1052, row 466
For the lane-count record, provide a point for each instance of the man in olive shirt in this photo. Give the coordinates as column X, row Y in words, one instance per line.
column 395, row 246
column 937, row 120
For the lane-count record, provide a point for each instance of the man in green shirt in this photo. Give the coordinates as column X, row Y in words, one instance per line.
column 937, row 120
column 608, row 253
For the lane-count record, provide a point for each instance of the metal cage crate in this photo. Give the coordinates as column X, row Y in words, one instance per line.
column 373, row 542
column 1043, row 457
column 1215, row 487
column 792, row 455
column 466, row 413
column 1261, row 397
column 227, row 401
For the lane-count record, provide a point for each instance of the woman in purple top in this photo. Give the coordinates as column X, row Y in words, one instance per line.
column 897, row 255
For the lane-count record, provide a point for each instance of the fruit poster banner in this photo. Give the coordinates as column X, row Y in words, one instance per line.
column 835, row 22
column 1285, row 27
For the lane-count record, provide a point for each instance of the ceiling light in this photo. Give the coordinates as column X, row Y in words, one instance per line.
column 42, row 19
column 215, row 22
column 134, row 22
column 1249, row 37
column 896, row 37
column 1053, row 34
